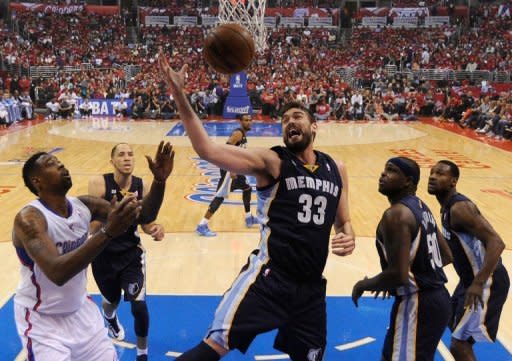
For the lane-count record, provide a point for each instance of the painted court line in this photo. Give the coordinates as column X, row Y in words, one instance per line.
column 271, row 357
column 354, row 344
column 443, row 350
column 123, row 344
column 506, row 342
column 22, row 356
column 173, row 354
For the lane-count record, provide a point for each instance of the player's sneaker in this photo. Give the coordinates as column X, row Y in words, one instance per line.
column 142, row 358
column 204, row 231
column 251, row 221
column 115, row 329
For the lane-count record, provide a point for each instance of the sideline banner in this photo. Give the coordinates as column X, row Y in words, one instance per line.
column 105, row 107
column 238, row 101
column 64, row 9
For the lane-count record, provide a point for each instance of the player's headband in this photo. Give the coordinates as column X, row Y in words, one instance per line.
column 406, row 169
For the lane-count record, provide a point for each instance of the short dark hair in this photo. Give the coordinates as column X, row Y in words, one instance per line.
column 114, row 148
column 300, row 106
column 454, row 169
column 241, row 115
column 29, row 169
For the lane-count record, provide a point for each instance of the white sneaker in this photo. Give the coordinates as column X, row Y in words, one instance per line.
column 115, row 329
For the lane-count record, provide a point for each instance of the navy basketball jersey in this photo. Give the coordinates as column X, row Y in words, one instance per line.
column 131, row 237
column 468, row 251
column 425, row 263
column 242, row 143
column 297, row 214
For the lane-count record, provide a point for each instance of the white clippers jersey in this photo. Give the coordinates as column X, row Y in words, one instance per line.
column 35, row 291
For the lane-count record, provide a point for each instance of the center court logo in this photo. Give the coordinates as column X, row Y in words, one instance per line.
column 205, row 192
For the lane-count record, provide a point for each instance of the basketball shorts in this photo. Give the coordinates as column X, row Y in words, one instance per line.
column 116, row 272
column 80, row 336
column 416, row 325
column 227, row 184
column 480, row 325
column 263, row 299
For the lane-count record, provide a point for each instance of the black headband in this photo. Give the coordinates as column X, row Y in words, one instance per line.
column 406, row 168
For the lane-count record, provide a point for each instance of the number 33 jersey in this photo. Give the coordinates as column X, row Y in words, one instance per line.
column 297, row 213
column 425, row 264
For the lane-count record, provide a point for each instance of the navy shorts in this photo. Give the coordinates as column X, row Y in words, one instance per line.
column 263, row 299
column 227, row 184
column 482, row 324
column 417, row 324
column 124, row 271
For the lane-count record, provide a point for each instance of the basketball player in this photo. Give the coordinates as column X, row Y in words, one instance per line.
column 408, row 243
column 121, row 264
column 302, row 193
column 55, row 318
column 229, row 182
column 484, row 283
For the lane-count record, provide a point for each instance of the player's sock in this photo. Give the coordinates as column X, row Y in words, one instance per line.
column 142, row 351
column 248, row 214
column 203, row 222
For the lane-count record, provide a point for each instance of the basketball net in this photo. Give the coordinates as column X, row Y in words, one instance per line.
column 248, row 13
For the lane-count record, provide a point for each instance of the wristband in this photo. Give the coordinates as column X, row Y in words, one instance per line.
column 103, row 231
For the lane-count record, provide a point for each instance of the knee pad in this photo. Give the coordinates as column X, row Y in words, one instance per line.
column 141, row 316
column 215, row 204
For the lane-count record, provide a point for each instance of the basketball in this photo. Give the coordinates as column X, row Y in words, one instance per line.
column 229, row 48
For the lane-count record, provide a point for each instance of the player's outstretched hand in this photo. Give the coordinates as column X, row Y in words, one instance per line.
column 162, row 165
column 122, row 215
column 343, row 244
column 175, row 80
column 358, row 291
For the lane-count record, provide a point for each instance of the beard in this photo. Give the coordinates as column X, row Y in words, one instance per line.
column 300, row 146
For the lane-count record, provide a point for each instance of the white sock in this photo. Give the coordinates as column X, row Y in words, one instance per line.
column 203, row 222
column 142, row 351
column 248, row 214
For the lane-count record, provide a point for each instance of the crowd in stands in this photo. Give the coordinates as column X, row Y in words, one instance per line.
column 288, row 69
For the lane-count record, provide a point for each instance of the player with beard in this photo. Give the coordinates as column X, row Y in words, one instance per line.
column 301, row 194
column 412, row 254
column 55, row 317
column 478, row 300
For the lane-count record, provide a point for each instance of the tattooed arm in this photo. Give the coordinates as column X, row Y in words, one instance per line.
column 31, row 233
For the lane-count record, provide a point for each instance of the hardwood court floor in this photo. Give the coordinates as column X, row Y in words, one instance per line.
column 187, row 264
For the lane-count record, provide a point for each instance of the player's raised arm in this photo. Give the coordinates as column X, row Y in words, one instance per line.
column 258, row 162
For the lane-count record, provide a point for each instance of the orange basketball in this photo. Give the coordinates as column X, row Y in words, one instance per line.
column 229, row 48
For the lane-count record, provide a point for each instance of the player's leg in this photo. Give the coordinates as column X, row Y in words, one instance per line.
column 240, row 182
column 470, row 326
column 133, row 282
column 222, row 191
column 39, row 337
column 255, row 303
column 304, row 337
column 462, row 350
column 91, row 342
column 433, row 315
column 106, row 275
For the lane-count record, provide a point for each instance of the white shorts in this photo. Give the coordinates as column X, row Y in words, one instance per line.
column 80, row 336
